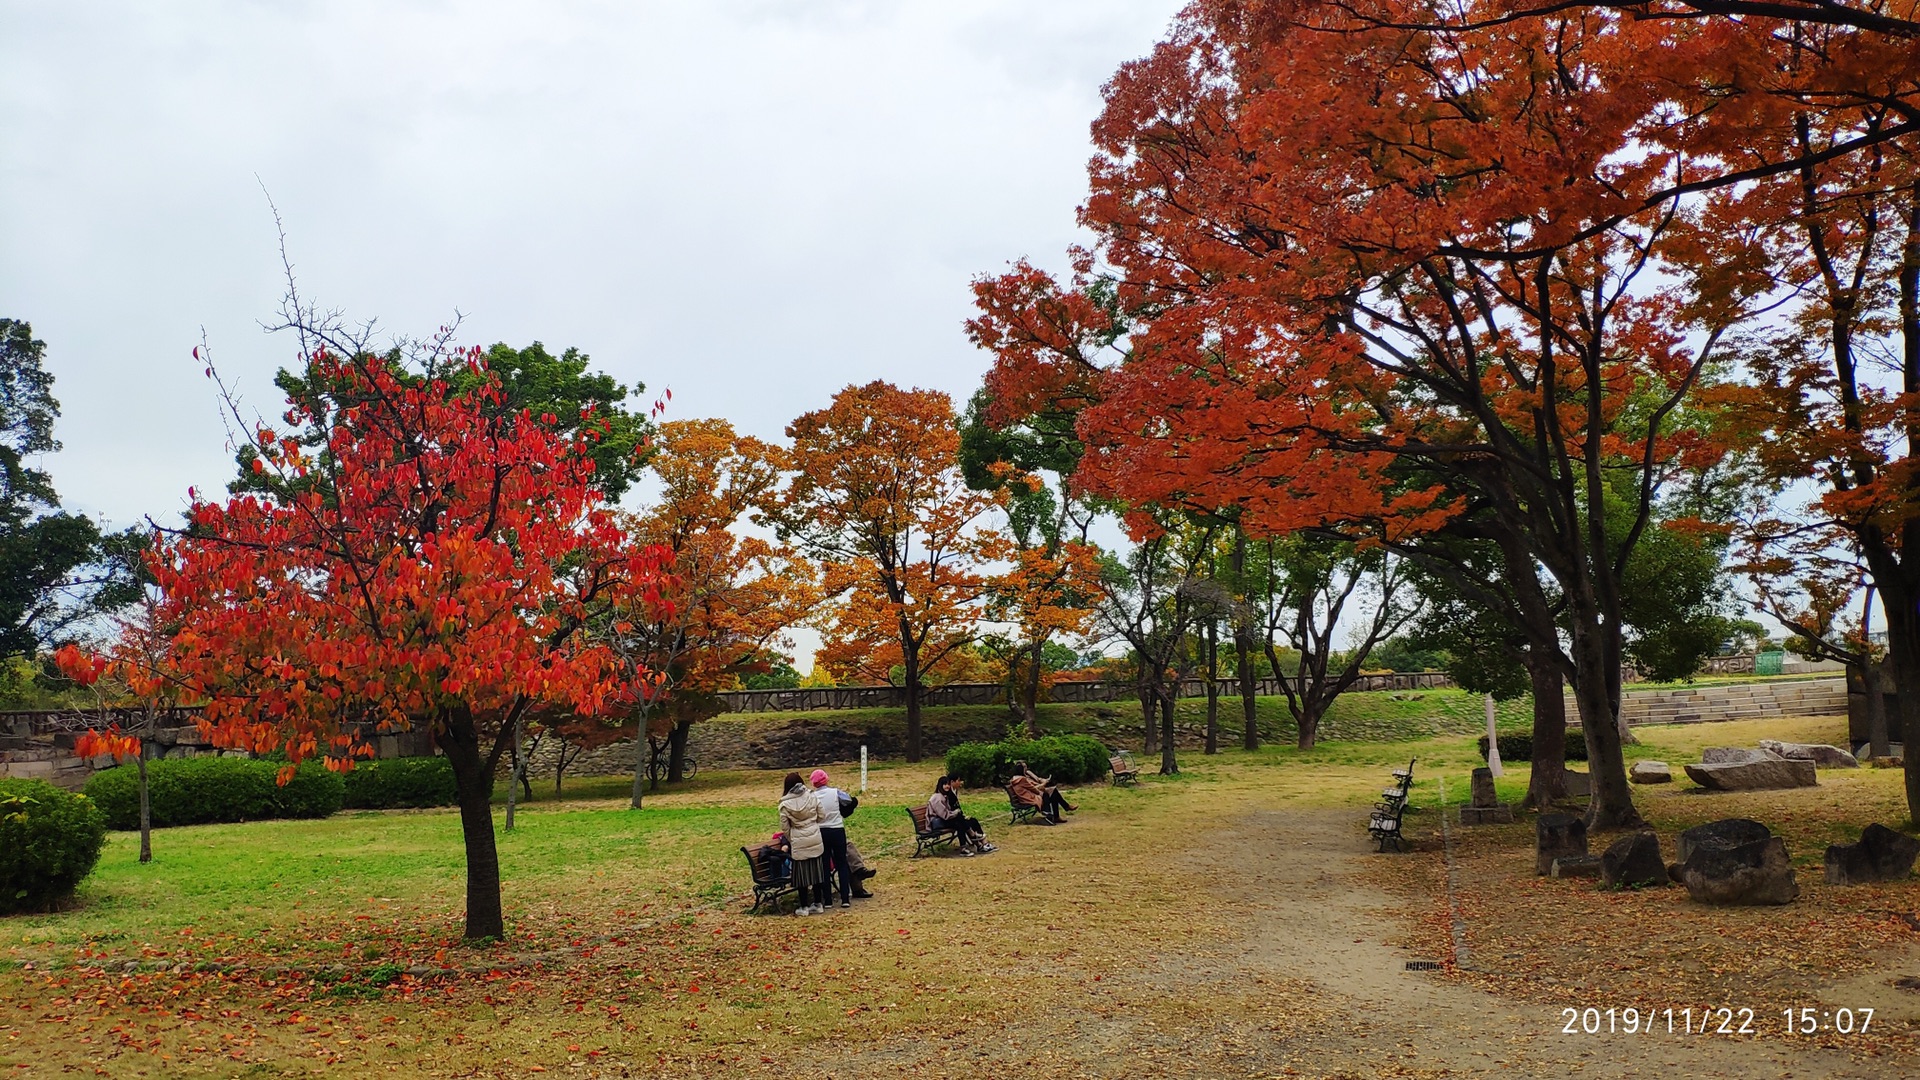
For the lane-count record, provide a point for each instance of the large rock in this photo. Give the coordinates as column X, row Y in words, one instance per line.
column 1756, row 873
column 1753, row 775
column 1735, row 755
column 1822, row 755
column 1881, row 855
column 1483, row 792
column 1728, row 832
column 1579, row 785
column 1633, row 862
column 1650, row 772
column 1557, row 836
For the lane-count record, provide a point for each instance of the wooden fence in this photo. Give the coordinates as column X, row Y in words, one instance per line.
column 807, row 699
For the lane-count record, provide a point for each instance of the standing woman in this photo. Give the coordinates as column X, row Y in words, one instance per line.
column 800, row 820
column 833, row 833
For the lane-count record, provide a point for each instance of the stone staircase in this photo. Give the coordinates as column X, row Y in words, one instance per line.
column 1735, row 701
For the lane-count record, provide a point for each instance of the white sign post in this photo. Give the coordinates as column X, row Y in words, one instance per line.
column 1493, row 740
column 863, row 770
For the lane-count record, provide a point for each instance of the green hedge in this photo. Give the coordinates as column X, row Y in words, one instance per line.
column 204, row 790
column 1519, row 747
column 400, row 782
column 1068, row 759
column 49, row 841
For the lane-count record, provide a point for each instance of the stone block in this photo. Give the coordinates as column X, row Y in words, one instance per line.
column 1734, row 755
column 1650, row 772
column 1573, row 866
column 1727, row 832
column 1633, row 862
column 1822, row 755
column 1557, row 836
column 1486, row 815
column 1752, row 874
column 1760, row 775
column 1881, row 855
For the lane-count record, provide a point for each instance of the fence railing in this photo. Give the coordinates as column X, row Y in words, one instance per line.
column 810, row 698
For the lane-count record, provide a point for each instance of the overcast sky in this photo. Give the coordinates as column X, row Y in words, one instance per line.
column 754, row 202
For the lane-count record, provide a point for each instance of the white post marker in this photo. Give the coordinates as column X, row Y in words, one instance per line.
column 1493, row 740
column 863, row 769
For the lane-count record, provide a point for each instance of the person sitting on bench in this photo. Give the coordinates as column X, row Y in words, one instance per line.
column 943, row 814
column 1052, row 804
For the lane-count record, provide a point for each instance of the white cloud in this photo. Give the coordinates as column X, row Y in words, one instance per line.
column 754, row 202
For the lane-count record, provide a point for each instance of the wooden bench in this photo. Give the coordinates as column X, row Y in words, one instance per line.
column 1020, row 811
column 771, row 877
column 1384, row 826
column 1124, row 771
column 925, row 839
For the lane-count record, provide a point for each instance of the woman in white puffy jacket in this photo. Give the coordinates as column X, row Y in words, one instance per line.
column 800, row 820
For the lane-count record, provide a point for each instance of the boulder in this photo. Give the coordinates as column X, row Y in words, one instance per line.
column 1633, row 862
column 1759, row 775
column 1734, row 755
column 1728, row 832
column 1573, row 866
column 1881, row 855
column 1650, row 772
column 1557, row 836
column 1822, row 755
column 1579, row 785
column 1756, row 873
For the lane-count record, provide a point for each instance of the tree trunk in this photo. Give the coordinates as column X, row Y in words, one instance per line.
column 1149, row 705
column 1310, row 713
column 1902, row 668
column 1030, row 693
column 1612, row 803
column 559, row 766
column 640, row 749
column 1249, row 684
column 1213, row 687
column 516, row 774
column 146, row 808
column 1168, row 764
column 912, row 658
column 677, row 752
column 1873, row 680
column 461, row 743
column 1548, row 784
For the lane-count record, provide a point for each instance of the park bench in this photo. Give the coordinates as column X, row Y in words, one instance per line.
column 1403, row 785
column 925, row 839
column 771, row 877
column 1020, row 812
column 1124, row 771
column 1383, row 824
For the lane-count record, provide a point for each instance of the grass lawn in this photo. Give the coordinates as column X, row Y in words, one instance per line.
column 330, row 947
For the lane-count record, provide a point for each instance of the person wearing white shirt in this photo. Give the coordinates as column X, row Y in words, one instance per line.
column 833, row 832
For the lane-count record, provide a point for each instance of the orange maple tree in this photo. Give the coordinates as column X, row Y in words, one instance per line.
column 878, row 499
column 732, row 594
column 1396, row 281
column 440, row 577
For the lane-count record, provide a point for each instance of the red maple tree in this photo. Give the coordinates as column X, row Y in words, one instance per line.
column 438, row 576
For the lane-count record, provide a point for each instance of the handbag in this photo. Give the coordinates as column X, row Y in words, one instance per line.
column 848, row 804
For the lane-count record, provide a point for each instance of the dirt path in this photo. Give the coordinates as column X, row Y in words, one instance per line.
column 1303, row 983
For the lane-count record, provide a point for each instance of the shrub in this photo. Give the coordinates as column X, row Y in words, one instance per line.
column 1068, row 759
column 204, row 790
column 49, row 841
column 400, row 782
column 1519, row 747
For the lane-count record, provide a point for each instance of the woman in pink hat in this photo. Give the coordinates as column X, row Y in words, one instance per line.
column 833, row 833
